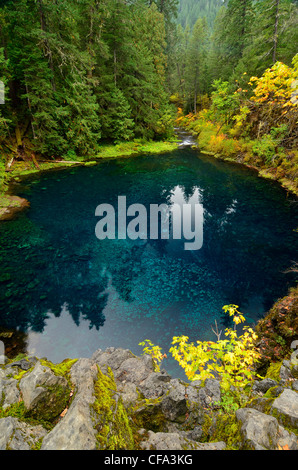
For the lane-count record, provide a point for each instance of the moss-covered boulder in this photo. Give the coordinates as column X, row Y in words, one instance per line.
column 285, row 408
column 45, row 394
column 261, row 431
column 111, row 421
column 278, row 330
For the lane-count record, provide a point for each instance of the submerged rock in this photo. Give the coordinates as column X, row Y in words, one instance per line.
column 11, row 205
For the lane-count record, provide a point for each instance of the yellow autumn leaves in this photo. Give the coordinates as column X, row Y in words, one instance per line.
column 231, row 360
column 277, row 85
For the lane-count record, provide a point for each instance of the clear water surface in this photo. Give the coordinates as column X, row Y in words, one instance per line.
column 68, row 293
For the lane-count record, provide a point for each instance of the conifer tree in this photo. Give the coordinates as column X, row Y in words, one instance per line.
column 274, row 35
column 84, row 71
column 196, row 62
column 230, row 36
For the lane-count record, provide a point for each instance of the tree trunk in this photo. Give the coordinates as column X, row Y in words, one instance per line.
column 29, row 106
column 47, row 50
column 243, row 30
column 275, row 37
column 18, row 136
column 115, row 67
column 196, row 92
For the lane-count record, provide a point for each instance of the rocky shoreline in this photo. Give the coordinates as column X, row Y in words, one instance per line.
column 10, row 205
column 117, row 401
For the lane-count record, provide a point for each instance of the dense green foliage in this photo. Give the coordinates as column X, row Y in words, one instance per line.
column 256, row 125
column 234, row 82
column 82, row 74
column 246, row 37
column 78, row 73
column 190, row 10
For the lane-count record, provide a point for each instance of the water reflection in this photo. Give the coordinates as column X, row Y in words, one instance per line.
column 71, row 293
column 187, row 211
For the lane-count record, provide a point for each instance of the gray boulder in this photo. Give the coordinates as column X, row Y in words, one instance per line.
column 262, row 432
column 17, row 435
column 25, row 364
column 155, row 384
column 75, row 431
column 174, row 405
column 134, row 370
column 44, row 393
column 264, row 385
column 111, row 357
column 286, row 407
column 295, row 385
column 210, row 394
column 9, row 392
column 125, row 366
column 173, row 441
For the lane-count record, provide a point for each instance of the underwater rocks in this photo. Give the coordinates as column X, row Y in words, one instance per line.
column 115, row 400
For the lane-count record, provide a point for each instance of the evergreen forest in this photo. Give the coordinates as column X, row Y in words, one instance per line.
column 210, row 88
column 80, row 74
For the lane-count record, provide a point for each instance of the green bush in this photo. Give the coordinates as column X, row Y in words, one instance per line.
column 265, row 148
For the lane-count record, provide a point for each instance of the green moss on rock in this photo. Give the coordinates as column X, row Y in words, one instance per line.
column 114, row 431
column 227, row 429
column 148, row 414
column 62, row 369
column 273, row 371
column 277, row 331
column 54, row 400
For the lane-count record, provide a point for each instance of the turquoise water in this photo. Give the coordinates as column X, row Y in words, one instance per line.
column 70, row 293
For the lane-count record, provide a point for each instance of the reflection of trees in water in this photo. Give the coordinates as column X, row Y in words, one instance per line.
column 40, row 276
column 43, row 284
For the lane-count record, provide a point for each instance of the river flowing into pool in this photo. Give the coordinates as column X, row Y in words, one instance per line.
column 65, row 293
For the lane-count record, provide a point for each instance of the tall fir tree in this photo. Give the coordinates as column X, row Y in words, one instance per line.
column 231, row 35
column 74, row 65
column 195, row 70
column 274, row 35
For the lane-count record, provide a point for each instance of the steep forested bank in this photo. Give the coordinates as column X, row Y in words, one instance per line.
column 256, row 126
column 236, row 84
column 245, row 39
